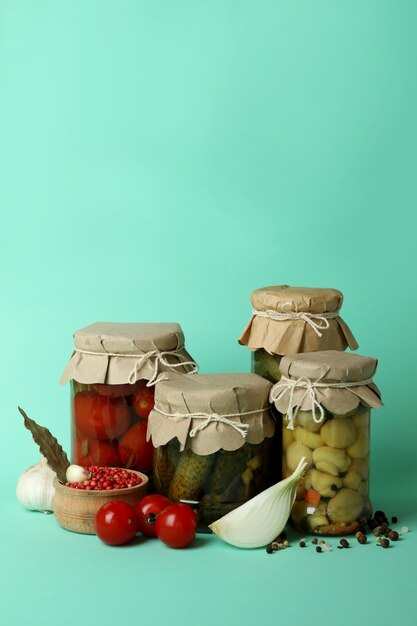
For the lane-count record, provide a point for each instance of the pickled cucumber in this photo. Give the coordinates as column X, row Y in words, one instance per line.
column 188, row 480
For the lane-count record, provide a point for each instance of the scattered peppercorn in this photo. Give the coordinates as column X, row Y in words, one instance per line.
column 372, row 523
column 318, row 548
column 381, row 517
column 314, row 540
column 269, row 549
column 362, row 539
column 377, row 531
column 344, row 543
column 393, row 535
column 286, row 543
column 275, row 546
column 302, row 544
column 394, row 519
column 384, row 543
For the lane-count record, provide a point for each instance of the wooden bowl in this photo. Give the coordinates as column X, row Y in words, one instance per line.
column 75, row 509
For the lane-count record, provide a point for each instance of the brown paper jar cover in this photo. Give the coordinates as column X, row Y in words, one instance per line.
column 330, row 366
column 109, row 341
column 231, row 394
column 292, row 336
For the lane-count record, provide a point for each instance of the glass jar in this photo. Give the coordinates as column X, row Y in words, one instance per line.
column 291, row 320
column 112, row 371
column 215, row 441
column 325, row 398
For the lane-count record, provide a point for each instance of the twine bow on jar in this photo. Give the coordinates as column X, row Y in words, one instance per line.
column 155, row 357
column 208, row 418
column 290, row 386
column 309, row 318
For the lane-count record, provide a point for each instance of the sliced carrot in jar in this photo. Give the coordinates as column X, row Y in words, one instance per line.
column 312, row 497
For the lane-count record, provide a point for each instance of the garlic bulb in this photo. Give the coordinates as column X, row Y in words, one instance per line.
column 77, row 473
column 35, row 488
column 260, row 520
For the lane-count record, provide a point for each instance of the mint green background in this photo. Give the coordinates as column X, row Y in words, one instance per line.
column 158, row 161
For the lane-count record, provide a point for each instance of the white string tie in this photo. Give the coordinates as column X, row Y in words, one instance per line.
column 309, row 318
column 208, row 418
column 289, row 385
column 156, row 358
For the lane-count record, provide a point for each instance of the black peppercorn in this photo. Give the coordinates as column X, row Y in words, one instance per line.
column 344, row 543
column 362, row 539
column 394, row 519
column 384, row 543
column 318, row 548
column 393, row 535
column 314, row 540
column 269, row 549
column 302, row 544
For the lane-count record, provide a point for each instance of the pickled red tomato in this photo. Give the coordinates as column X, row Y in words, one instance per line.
column 92, row 452
column 135, row 452
column 143, row 400
column 99, row 417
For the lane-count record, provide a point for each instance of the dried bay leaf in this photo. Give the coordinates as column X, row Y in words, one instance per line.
column 49, row 447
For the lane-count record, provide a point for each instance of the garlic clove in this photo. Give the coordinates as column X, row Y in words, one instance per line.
column 260, row 520
column 77, row 473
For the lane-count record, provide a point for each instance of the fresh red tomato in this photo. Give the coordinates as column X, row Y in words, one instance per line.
column 143, row 400
column 98, row 417
column 115, row 391
column 116, row 523
column 176, row 525
column 90, row 452
column 135, row 452
column 147, row 511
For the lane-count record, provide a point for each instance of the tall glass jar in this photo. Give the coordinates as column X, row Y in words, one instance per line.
column 214, row 441
column 112, row 373
column 290, row 320
column 326, row 399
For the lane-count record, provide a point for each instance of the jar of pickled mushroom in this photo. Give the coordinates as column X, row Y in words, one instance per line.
column 326, row 399
column 290, row 320
column 113, row 370
column 214, row 441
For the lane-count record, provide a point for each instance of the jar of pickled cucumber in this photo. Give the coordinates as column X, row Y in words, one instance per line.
column 112, row 371
column 326, row 399
column 290, row 320
column 214, row 441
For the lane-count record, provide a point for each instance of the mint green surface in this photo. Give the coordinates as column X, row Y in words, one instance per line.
column 158, row 161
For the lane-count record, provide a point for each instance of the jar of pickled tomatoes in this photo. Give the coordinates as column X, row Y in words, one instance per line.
column 290, row 320
column 113, row 370
column 326, row 400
